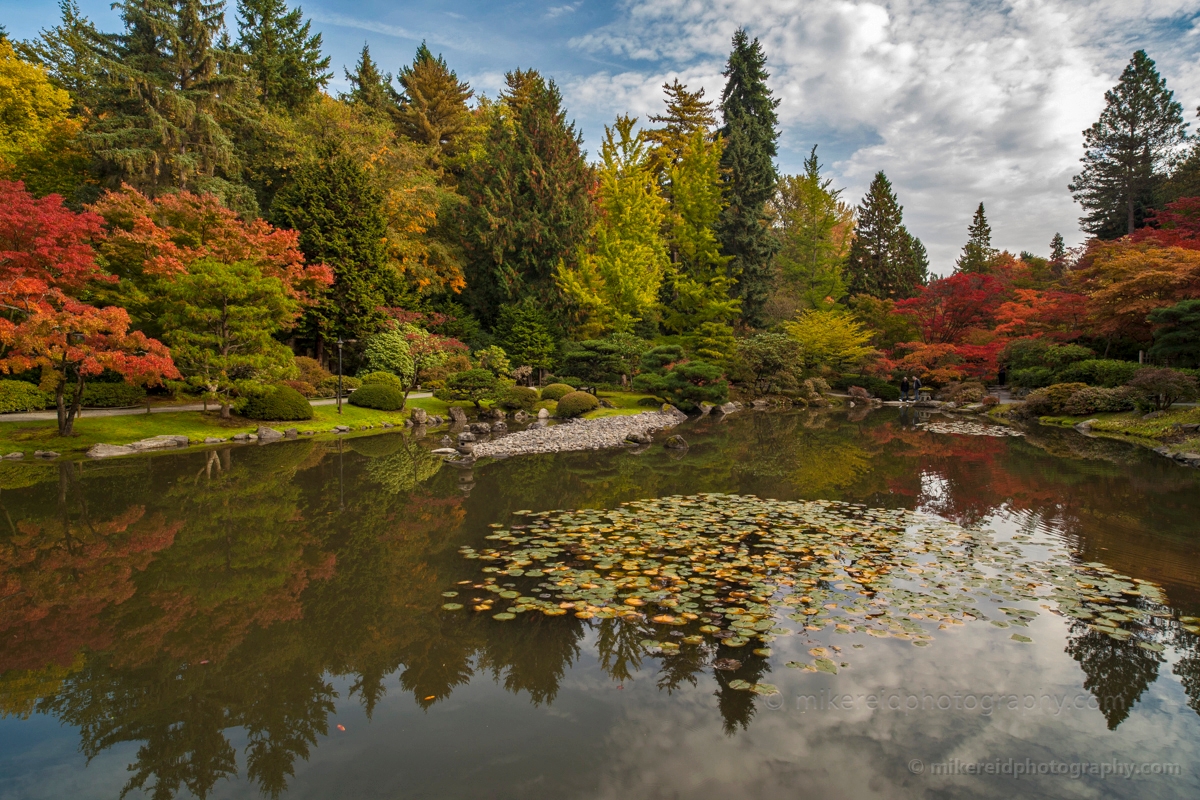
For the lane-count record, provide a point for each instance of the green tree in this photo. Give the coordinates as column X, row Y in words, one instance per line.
column 1129, row 151
column 617, row 278
column 885, row 260
column 978, row 252
column 432, row 103
column 220, row 321
column 698, row 287
column 370, row 88
column 527, row 199
column 475, row 385
column 1177, row 333
column 687, row 112
column 524, row 331
column 815, row 230
column 769, row 362
column 387, row 351
column 830, row 339
column 748, row 167
column 1058, row 254
column 337, row 209
column 283, row 55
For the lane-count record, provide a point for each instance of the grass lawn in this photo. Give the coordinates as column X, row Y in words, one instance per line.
column 1129, row 424
column 27, row 437
column 625, row 402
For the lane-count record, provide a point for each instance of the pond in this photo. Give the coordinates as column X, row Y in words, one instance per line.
column 800, row 604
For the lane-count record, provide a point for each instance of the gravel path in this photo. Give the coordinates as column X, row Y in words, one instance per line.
column 582, row 434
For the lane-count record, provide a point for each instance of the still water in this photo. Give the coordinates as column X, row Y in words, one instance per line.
column 270, row 621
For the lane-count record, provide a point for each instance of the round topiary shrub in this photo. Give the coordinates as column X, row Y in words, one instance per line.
column 576, row 404
column 384, row 378
column 22, row 396
column 328, row 386
column 556, row 391
column 303, row 387
column 278, row 404
column 518, row 398
column 378, row 396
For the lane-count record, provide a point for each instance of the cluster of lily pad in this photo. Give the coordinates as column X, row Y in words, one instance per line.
column 965, row 428
column 730, row 569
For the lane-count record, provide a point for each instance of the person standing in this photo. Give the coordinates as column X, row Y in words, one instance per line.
column 916, row 388
column 903, row 388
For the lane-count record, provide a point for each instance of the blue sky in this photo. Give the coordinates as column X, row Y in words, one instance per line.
column 959, row 101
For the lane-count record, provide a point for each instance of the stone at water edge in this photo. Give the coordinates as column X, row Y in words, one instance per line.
column 291, row 433
column 109, row 450
column 1086, row 425
column 543, row 414
column 676, row 442
column 14, row 456
column 480, row 427
column 466, row 436
column 45, row 454
column 213, row 440
column 457, row 416
column 638, row 437
column 266, row 434
column 520, row 416
column 419, row 416
column 445, row 451
column 727, row 408
column 160, row 443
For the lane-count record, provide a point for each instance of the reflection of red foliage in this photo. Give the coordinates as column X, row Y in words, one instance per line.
column 57, row 584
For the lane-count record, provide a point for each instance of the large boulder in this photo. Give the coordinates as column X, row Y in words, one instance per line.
column 159, row 443
column 638, row 437
column 676, row 442
column 419, row 416
column 110, row 450
column 480, row 427
column 457, row 416
column 266, row 434
column 543, row 414
column 466, row 436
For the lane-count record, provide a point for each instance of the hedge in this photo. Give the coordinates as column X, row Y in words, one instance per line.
column 278, row 404
column 112, row 395
column 556, row 391
column 378, row 396
column 384, row 378
column 518, row 398
column 22, row 396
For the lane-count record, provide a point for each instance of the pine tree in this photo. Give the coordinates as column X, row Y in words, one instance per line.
column 432, row 102
column 815, row 230
column 284, row 57
column 687, row 112
column 748, row 160
column 1058, row 254
column 338, row 211
column 370, row 88
column 1129, row 151
column 528, row 203
column 978, row 252
column 885, row 260
column 70, row 52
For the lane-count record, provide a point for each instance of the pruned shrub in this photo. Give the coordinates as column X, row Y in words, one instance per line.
column 22, row 396
column 303, row 387
column 1052, row 399
column 990, row 401
column 385, row 378
column 859, row 393
column 556, row 391
column 379, row 396
column 475, row 385
column 1031, row 378
column 576, row 404
column 112, row 395
column 518, row 398
column 279, row 404
column 1100, row 372
column 876, row 387
column 328, row 386
column 1163, row 388
column 310, row 370
column 686, row 385
column 963, row 393
column 1097, row 399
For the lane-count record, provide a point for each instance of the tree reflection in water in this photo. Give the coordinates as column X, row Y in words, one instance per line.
column 168, row 601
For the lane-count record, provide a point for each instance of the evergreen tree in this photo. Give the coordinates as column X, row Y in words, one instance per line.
column 748, row 161
column 157, row 96
column 815, row 229
column 371, row 88
column 524, row 330
column 284, row 57
column 885, row 260
column 978, row 252
column 70, row 53
column 1129, row 151
column 337, row 209
column 528, row 203
column 432, row 102
column 1058, row 254
column 687, row 112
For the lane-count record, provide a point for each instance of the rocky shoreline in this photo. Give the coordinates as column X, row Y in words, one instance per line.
column 580, row 434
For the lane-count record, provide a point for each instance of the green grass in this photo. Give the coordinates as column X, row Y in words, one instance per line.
column 26, row 437
column 1131, row 425
column 625, row 402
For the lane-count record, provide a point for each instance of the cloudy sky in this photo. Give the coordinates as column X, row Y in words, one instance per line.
column 958, row 101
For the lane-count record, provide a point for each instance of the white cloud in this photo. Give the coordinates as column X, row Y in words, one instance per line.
column 558, row 11
column 959, row 101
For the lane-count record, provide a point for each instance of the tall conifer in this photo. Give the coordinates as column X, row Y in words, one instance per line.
column 885, row 260
column 749, row 163
column 432, row 102
column 370, row 88
column 1129, row 151
column 687, row 112
column 978, row 252
column 283, row 56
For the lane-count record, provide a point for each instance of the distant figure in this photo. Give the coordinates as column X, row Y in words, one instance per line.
column 916, row 387
column 903, row 388
column 1003, row 376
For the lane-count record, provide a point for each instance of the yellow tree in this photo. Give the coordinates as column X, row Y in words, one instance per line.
column 830, row 339
column 618, row 275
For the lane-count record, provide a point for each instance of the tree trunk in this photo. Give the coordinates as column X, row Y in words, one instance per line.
column 66, row 416
column 225, row 410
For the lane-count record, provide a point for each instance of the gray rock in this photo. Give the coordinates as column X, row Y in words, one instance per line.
column 1191, row 427
column 445, row 451
column 543, row 414
column 480, row 427
column 266, row 434
column 241, row 437
column 110, row 450
column 499, row 426
column 706, row 409
column 1086, row 425
column 638, row 437
column 466, row 436
column 341, row 429
column 760, row 405
column 291, row 433
column 213, row 440
column 252, row 437
column 308, row 433
column 436, row 420
column 520, row 416
column 727, row 408
column 446, row 441
column 45, row 454
column 160, row 443
column 676, row 442
column 1153, row 415
column 14, row 456
column 457, row 416
column 1191, row 458
column 674, row 412
column 419, row 416
column 386, row 425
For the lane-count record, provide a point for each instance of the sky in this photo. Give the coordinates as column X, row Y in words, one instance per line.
column 958, row 101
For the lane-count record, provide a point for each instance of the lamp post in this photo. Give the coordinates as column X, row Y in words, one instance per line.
column 341, row 342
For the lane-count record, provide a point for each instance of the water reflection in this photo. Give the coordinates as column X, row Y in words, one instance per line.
column 203, row 607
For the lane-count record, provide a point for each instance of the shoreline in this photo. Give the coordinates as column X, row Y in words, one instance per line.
column 601, row 433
